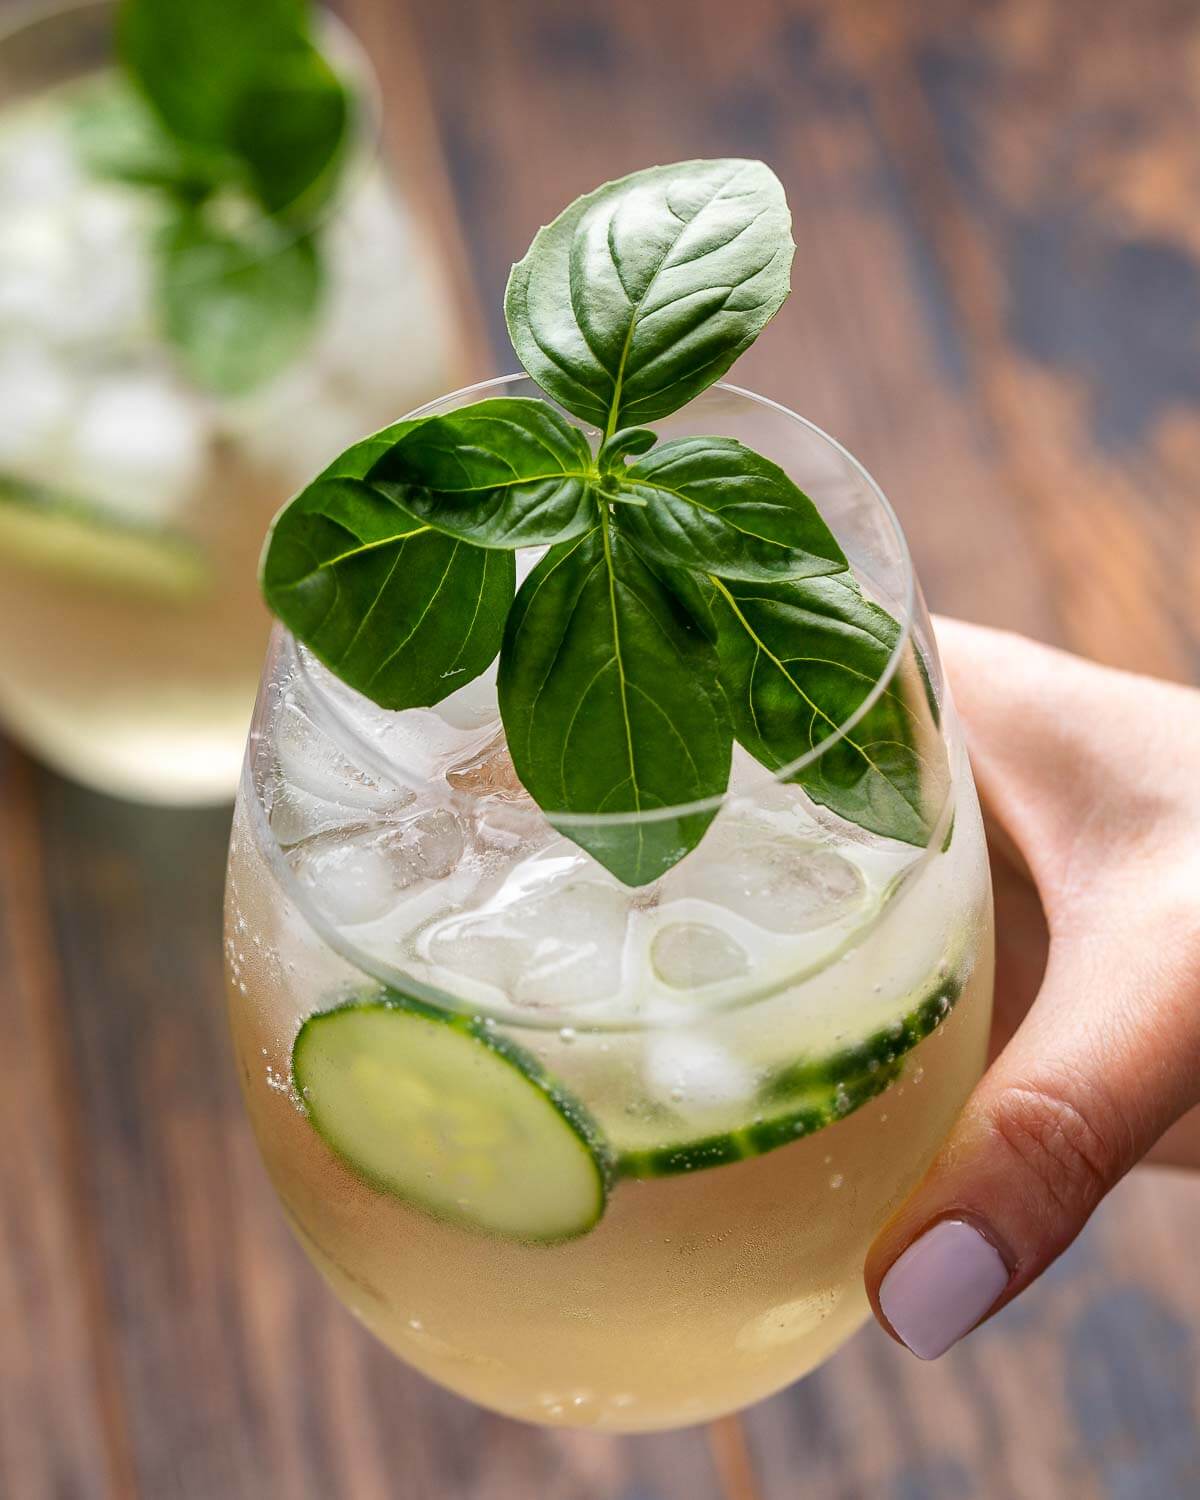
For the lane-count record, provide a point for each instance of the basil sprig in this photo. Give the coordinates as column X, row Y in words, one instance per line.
column 229, row 112
column 691, row 596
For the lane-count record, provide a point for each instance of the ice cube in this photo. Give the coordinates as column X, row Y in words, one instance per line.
column 112, row 298
column 295, row 424
column 418, row 742
column 350, row 878
column 510, row 825
column 425, row 847
column 38, row 163
column 505, row 816
column 688, row 955
column 778, row 882
column 684, row 1069
column 357, row 874
column 486, row 772
column 311, row 760
column 297, row 815
column 473, row 706
column 78, row 268
column 385, row 293
column 561, row 948
column 37, row 271
column 139, row 445
column 36, row 396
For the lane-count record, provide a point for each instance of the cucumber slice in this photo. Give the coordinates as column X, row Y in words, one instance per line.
column 807, row 1095
column 74, row 538
column 438, row 1110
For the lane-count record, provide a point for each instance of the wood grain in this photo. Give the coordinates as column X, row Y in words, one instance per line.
column 997, row 307
column 63, row 1421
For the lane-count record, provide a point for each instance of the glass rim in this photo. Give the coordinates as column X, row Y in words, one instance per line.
column 364, row 143
column 283, row 646
column 564, row 821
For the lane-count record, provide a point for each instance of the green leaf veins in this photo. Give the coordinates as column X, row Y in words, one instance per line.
column 641, row 294
column 692, row 593
column 402, row 612
column 713, row 504
column 608, row 695
column 798, row 661
column 501, row 473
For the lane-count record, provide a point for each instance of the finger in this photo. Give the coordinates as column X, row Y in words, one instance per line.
column 1104, row 1063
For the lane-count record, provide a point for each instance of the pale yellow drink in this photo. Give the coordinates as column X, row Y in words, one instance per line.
column 695, row 1293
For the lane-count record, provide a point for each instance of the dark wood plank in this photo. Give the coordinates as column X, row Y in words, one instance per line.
column 62, row 1412
column 1051, row 159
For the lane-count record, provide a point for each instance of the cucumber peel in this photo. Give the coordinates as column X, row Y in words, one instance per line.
column 435, row 1108
column 807, row 1095
column 53, row 532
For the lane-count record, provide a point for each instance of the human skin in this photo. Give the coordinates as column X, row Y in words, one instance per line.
column 1088, row 778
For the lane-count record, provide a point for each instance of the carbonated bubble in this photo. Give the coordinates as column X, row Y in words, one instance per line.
column 688, row 1069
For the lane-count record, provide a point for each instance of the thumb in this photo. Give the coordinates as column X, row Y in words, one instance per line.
column 1104, row 1062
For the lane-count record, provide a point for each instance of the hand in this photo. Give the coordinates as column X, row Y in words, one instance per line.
column 1090, row 780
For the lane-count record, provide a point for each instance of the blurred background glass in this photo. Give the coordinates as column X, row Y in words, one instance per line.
column 138, row 475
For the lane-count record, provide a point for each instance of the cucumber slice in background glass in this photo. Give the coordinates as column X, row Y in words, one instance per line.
column 74, row 538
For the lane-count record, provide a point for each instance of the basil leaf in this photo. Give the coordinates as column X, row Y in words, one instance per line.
column 608, row 697
column 630, row 441
column 119, row 137
column 237, row 309
column 399, row 611
column 360, row 458
column 641, row 294
column 509, row 472
column 716, row 506
column 797, row 660
column 290, row 127
column 192, row 60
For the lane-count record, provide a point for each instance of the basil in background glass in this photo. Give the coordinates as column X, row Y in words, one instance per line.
column 692, row 595
column 182, row 346
column 227, row 110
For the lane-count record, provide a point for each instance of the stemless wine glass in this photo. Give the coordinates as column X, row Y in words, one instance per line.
column 583, row 1153
column 133, row 500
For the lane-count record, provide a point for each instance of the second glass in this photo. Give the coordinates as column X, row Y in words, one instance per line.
column 133, row 500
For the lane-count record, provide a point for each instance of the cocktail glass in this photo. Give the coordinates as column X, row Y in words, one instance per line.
column 582, row 1153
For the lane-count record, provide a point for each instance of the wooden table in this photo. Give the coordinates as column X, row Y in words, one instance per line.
column 997, row 307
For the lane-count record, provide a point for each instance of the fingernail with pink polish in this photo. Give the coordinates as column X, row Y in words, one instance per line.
column 941, row 1286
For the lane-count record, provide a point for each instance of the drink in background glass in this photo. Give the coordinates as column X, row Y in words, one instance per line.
column 131, row 628
column 769, row 1041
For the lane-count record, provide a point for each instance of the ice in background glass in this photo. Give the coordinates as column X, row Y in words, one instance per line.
column 130, row 643
column 772, row 1038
